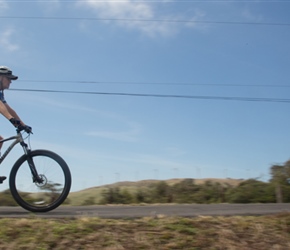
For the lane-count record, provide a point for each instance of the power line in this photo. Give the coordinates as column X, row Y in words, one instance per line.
column 222, row 98
column 145, row 20
column 157, row 1
column 163, row 83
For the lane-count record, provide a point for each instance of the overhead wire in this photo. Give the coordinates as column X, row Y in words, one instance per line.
column 160, row 83
column 146, row 20
column 157, row 1
column 229, row 98
column 223, row 98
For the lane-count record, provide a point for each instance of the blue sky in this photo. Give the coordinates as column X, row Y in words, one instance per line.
column 209, row 48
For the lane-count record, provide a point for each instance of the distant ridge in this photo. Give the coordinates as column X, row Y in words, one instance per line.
column 146, row 183
column 77, row 198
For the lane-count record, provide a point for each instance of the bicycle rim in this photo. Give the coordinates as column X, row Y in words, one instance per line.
column 44, row 195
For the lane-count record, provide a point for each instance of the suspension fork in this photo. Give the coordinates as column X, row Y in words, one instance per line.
column 35, row 177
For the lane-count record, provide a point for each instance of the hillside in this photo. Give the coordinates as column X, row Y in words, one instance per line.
column 77, row 198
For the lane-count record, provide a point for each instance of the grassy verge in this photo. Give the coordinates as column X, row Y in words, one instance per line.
column 236, row 232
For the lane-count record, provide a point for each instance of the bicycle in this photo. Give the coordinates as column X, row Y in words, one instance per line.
column 40, row 180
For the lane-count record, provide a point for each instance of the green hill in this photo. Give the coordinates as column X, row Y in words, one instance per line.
column 78, row 198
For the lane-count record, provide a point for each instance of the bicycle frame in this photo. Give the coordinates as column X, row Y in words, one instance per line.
column 17, row 139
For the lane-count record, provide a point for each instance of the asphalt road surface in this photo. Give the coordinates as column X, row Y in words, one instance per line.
column 126, row 211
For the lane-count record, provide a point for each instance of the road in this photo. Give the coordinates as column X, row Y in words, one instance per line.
column 126, row 211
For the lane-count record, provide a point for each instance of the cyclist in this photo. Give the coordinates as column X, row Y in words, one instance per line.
column 5, row 80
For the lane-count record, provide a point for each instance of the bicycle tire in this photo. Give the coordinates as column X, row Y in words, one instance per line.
column 40, row 197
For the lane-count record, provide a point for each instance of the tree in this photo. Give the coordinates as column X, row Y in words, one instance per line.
column 162, row 193
column 142, row 196
column 280, row 175
column 251, row 191
column 116, row 196
column 209, row 192
column 89, row 201
column 110, row 196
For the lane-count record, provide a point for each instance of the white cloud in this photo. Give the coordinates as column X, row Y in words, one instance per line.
column 251, row 17
column 152, row 160
column 198, row 15
column 6, row 40
column 130, row 9
column 120, row 9
column 50, row 6
column 129, row 135
column 3, row 5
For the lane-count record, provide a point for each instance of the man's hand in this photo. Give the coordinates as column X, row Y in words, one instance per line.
column 18, row 125
column 26, row 128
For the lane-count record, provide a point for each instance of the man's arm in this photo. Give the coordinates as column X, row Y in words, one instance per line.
column 13, row 114
column 4, row 110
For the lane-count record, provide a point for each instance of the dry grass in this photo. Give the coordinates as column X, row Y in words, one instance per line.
column 232, row 233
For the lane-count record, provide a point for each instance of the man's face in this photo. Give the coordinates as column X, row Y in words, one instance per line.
column 5, row 82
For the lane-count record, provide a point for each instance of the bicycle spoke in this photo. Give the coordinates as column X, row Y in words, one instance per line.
column 45, row 191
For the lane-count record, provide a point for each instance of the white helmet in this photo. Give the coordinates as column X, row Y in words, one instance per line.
column 5, row 71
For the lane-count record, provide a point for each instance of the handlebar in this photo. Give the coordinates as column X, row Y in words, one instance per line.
column 27, row 129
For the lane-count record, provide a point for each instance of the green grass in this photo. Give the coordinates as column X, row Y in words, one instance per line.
column 233, row 233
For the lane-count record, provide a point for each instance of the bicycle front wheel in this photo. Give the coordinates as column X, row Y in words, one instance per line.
column 51, row 187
